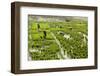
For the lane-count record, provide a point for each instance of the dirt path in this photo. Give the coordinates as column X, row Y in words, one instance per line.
column 61, row 53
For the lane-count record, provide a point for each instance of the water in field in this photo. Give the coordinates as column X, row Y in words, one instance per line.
column 56, row 38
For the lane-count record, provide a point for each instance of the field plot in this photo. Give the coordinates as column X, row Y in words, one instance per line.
column 57, row 37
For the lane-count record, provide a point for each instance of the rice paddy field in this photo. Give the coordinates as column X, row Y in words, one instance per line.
column 57, row 38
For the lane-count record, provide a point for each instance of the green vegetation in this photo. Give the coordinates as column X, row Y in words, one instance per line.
column 69, row 40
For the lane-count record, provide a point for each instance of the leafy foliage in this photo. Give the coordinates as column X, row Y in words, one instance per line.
column 47, row 48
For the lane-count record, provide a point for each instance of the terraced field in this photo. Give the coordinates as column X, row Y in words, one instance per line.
column 57, row 39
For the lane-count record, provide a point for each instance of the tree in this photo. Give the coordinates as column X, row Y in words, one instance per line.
column 38, row 26
column 45, row 34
